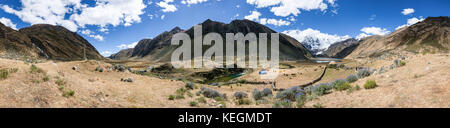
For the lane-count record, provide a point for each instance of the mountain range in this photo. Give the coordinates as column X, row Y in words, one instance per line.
column 159, row 48
column 45, row 42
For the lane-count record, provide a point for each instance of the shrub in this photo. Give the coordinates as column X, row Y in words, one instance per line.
column 210, row 93
column 370, row 84
column 181, row 91
column 282, row 104
column 35, row 69
column 267, row 92
column 332, row 66
column 300, row 101
column 60, row 82
column 222, row 104
column 343, row 86
column 171, row 97
column 402, row 63
column 46, row 78
column 242, row 81
column 219, row 99
column 4, row 73
column 36, row 81
column 258, row 95
column 319, row 105
column 68, row 93
column 356, row 88
column 363, row 73
column 193, row 103
column 201, row 100
column 13, row 70
column 351, row 78
column 244, row 101
column 290, row 94
column 179, row 96
column 240, row 95
column 337, row 82
column 321, row 89
column 190, row 86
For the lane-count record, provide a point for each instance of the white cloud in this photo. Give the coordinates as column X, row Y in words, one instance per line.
column 408, row 11
column 189, row 2
column 167, row 7
column 291, row 7
column 127, row 46
column 375, row 31
column 111, row 12
column 106, row 53
column 314, row 38
column 46, row 12
column 55, row 12
column 8, row 22
column 254, row 16
column 91, row 34
column 163, row 16
column 373, row 17
column 97, row 37
column 370, row 31
column 410, row 22
column 275, row 22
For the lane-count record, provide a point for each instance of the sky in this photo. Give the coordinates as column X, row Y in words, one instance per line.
column 113, row 25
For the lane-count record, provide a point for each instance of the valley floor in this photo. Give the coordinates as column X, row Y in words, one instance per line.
column 423, row 82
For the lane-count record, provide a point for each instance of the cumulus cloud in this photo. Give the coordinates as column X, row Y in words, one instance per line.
column 55, row 12
column 167, row 7
column 291, row 7
column 370, row 31
column 275, row 22
column 127, row 46
column 106, row 53
column 410, row 22
column 316, row 39
column 8, row 22
column 189, row 2
column 408, row 11
column 91, row 34
column 253, row 16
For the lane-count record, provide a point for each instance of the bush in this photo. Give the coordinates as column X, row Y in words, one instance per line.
column 338, row 82
column 60, row 82
column 332, row 66
column 201, row 100
column 351, row 78
column 171, row 97
column 193, row 103
column 4, row 73
column 319, row 105
column 300, row 101
column 363, row 73
column 267, row 92
column 179, row 96
column 219, row 99
column 290, row 94
column 210, row 93
column 282, row 104
column 321, row 89
column 258, row 95
column 68, row 94
column 343, row 86
column 35, row 69
column 190, row 86
column 240, row 95
column 402, row 63
column 181, row 91
column 244, row 101
column 46, row 78
column 370, row 84
column 13, row 70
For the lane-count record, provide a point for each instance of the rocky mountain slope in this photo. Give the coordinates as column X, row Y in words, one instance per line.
column 43, row 41
column 159, row 48
column 14, row 44
column 341, row 49
column 430, row 35
column 58, row 43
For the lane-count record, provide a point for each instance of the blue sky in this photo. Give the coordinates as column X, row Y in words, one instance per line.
column 128, row 21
